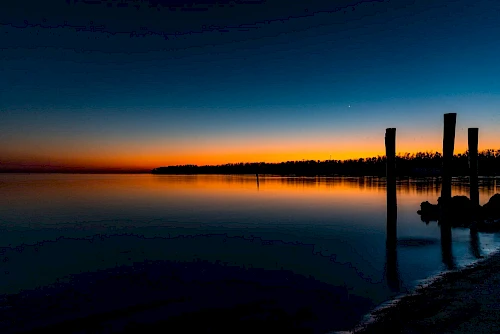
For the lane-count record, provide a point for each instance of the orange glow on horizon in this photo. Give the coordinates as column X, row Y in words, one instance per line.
column 126, row 163
column 141, row 156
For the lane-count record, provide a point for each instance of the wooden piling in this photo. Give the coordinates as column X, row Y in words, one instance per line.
column 473, row 139
column 472, row 136
column 450, row 121
column 390, row 152
column 392, row 275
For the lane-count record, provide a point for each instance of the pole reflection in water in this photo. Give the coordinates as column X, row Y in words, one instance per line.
column 473, row 135
column 392, row 272
column 474, row 244
column 446, row 250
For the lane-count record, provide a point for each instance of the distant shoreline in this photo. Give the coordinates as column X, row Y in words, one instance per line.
column 73, row 172
column 416, row 176
column 422, row 164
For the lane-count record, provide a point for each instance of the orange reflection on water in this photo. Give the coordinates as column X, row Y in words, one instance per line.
column 45, row 195
column 133, row 185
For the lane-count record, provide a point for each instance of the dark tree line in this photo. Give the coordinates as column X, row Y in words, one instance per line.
column 417, row 164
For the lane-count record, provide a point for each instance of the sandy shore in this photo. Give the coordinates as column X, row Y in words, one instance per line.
column 462, row 301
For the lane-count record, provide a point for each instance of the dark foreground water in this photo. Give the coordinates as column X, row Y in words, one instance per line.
column 221, row 253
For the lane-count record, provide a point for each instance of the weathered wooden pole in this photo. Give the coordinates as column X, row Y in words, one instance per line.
column 391, row 241
column 473, row 134
column 473, row 138
column 450, row 121
column 390, row 153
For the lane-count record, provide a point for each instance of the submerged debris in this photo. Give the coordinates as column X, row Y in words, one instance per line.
column 462, row 213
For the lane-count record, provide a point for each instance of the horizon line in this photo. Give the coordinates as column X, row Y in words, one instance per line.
column 37, row 169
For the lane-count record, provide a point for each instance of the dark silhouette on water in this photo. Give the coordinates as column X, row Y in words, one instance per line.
column 391, row 269
column 463, row 213
column 460, row 210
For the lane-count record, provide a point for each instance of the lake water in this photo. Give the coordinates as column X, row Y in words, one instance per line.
column 329, row 229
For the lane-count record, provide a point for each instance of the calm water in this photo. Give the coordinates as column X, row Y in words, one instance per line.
column 333, row 229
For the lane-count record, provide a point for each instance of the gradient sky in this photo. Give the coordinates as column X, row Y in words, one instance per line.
column 102, row 86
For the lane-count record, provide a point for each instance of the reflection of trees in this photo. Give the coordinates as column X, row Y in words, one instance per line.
column 429, row 186
column 422, row 163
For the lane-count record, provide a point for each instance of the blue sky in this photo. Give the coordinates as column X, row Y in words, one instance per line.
column 299, row 72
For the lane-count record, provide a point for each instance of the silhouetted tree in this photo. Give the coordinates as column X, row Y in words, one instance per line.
column 407, row 164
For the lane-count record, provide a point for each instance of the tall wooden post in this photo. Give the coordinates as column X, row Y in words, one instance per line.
column 390, row 152
column 450, row 121
column 473, row 134
column 473, row 138
column 391, row 241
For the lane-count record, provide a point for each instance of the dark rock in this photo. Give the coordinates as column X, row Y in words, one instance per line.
column 428, row 212
column 492, row 208
column 460, row 211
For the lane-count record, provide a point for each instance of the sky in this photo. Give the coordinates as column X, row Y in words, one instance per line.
column 98, row 85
